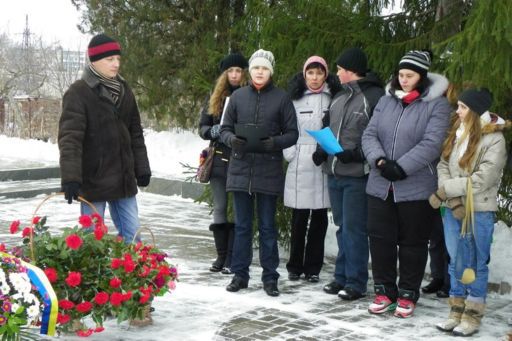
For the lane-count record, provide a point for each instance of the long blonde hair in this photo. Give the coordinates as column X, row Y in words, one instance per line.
column 220, row 92
column 472, row 131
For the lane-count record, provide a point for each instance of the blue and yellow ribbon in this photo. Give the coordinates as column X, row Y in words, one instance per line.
column 51, row 304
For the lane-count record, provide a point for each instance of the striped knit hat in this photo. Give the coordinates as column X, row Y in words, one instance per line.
column 102, row 46
column 418, row 61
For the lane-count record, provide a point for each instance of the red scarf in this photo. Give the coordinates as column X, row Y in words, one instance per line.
column 410, row 97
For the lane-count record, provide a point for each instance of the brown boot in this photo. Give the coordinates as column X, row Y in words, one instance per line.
column 456, row 310
column 471, row 319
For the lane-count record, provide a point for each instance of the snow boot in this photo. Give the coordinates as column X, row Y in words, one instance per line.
column 221, row 244
column 456, row 309
column 230, row 233
column 471, row 319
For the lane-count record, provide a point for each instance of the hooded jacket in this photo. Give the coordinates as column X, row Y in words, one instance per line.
column 272, row 108
column 348, row 116
column 412, row 135
column 487, row 167
column 306, row 184
column 101, row 144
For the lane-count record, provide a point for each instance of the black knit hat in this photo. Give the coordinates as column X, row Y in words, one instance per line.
column 417, row 61
column 478, row 100
column 102, row 46
column 353, row 59
column 233, row 59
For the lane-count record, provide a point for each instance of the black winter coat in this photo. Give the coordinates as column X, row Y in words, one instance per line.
column 273, row 108
column 222, row 152
column 101, row 144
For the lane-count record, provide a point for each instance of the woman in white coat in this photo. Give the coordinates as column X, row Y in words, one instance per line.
column 306, row 186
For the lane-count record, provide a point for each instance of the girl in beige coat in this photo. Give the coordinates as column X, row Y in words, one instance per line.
column 470, row 171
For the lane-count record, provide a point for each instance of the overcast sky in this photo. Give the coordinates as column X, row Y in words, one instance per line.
column 53, row 20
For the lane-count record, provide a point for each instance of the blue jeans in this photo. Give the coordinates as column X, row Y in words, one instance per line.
column 242, row 246
column 350, row 210
column 474, row 254
column 124, row 213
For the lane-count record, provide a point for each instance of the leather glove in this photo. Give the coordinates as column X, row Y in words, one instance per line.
column 437, row 198
column 319, row 156
column 350, row 155
column 457, row 207
column 143, row 180
column 215, row 131
column 237, row 143
column 70, row 190
column 268, row 144
column 392, row 171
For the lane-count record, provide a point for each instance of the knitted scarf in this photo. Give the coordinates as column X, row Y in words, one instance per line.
column 113, row 85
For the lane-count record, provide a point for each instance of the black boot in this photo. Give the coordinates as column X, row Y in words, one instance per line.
column 230, row 227
column 221, row 244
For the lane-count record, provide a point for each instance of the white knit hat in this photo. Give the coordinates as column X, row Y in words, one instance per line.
column 262, row 58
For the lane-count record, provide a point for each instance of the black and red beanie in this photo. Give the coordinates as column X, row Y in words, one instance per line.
column 102, row 46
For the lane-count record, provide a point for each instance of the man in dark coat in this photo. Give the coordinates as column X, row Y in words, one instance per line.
column 102, row 152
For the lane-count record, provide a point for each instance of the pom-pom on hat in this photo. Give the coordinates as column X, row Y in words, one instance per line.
column 417, row 61
column 353, row 59
column 102, row 46
column 478, row 100
column 315, row 59
column 231, row 60
column 262, row 58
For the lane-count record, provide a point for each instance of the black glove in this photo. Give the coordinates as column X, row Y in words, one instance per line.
column 350, row 155
column 70, row 190
column 392, row 171
column 268, row 144
column 237, row 143
column 143, row 180
column 319, row 156
column 215, row 131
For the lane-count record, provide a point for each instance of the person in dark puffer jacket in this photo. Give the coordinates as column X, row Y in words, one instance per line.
column 231, row 78
column 257, row 176
column 103, row 156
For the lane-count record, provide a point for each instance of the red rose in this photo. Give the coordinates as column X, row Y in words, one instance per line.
column 51, row 273
column 129, row 266
column 159, row 281
column 145, row 272
column 116, row 262
column 144, row 298
column 66, row 305
column 98, row 232
column 85, row 220
column 74, row 279
column 101, row 298
column 116, row 299
column 97, row 218
column 73, row 241
column 36, row 220
column 84, row 307
column 14, row 226
column 26, row 232
column 63, row 318
column 84, row 332
column 99, row 329
column 119, row 239
column 2, row 247
column 127, row 296
column 115, row 282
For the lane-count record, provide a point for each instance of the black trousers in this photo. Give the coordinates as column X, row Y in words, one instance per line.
column 439, row 258
column 399, row 231
column 310, row 260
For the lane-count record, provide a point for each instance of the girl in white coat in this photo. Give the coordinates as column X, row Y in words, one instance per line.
column 306, row 186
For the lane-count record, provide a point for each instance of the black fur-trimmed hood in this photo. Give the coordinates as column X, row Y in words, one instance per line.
column 297, row 85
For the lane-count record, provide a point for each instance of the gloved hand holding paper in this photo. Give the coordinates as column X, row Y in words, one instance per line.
column 326, row 140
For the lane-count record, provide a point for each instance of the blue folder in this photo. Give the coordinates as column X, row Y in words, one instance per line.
column 326, row 140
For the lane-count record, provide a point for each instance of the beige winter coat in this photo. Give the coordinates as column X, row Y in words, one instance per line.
column 487, row 169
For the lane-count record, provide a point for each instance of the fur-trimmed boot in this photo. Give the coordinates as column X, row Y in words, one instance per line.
column 471, row 319
column 220, row 236
column 456, row 310
column 230, row 227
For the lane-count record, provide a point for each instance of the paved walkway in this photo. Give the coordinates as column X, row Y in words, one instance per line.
column 201, row 308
